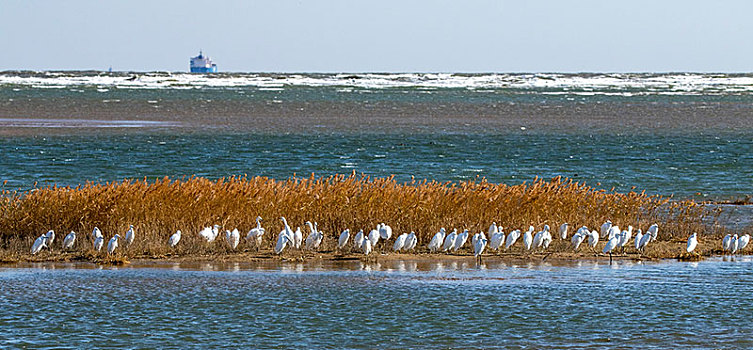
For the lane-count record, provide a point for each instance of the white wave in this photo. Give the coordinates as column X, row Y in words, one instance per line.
column 627, row 84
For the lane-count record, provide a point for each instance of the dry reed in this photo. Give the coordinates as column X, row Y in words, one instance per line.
column 159, row 208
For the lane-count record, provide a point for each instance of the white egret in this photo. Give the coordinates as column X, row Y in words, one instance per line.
column 493, row 229
column 399, row 242
column 528, row 238
column 209, row 234
column 374, row 236
column 547, row 239
column 410, row 242
column 69, row 240
column 512, row 238
column 319, row 236
column 99, row 242
column 174, row 239
column 343, row 240
column 385, row 231
column 726, row 242
column 611, row 244
column 538, row 239
column 743, row 241
column 366, row 246
column 96, row 233
column 232, row 238
column 563, row 231
column 50, row 238
column 460, row 240
column 449, row 241
column 496, row 240
column 593, row 239
column 358, row 239
column 475, row 238
column 112, row 244
column 130, row 235
column 577, row 239
column 692, row 242
column 645, row 239
column 256, row 234
column 625, row 236
column 282, row 241
column 437, row 240
column 653, row 230
column 298, row 238
column 478, row 248
column 39, row 243
column 733, row 244
column 638, row 237
column 614, row 231
column 312, row 237
column 605, row 228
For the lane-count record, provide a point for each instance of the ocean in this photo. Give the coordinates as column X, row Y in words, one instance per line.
column 685, row 135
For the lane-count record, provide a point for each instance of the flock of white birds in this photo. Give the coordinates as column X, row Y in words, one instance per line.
column 442, row 241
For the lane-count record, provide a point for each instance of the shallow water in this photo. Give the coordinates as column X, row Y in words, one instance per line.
column 394, row 304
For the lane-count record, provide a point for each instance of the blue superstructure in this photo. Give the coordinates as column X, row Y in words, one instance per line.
column 202, row 64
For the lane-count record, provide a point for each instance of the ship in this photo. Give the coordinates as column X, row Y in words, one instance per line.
column 202, row 64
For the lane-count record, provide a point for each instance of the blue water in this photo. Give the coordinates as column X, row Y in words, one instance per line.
column 686, row 135
column 393, row 304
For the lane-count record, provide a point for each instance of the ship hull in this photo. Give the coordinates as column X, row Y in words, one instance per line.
column 204, row 70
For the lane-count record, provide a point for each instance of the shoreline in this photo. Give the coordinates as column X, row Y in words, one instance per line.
column 558, row 253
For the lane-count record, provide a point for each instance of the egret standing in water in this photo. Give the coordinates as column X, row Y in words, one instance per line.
column 726, row 242
column 478, row 248
column 611, row 244
column 69, row 240
column 112, row 244
column 366, row 247
column 374, row 236
column 174, row 239
column 563, row 231
column 733, row 244
column 692, row 242
column 743, row 241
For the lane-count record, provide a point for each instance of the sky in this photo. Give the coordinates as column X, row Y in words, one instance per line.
column 379, row 35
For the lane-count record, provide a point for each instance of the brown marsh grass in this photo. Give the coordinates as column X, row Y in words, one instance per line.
column 158, row 208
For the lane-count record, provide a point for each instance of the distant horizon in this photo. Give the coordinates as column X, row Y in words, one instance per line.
column 379, row 72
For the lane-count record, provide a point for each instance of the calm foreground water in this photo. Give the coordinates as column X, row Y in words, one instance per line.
column 395, row 304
